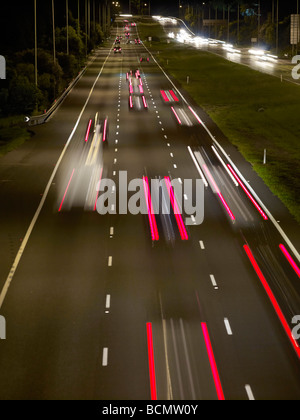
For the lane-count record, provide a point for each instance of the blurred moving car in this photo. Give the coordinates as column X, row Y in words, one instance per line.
column 118, row 50
column 137, row 98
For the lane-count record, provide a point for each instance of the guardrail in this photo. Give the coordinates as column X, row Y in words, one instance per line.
column 42, row 119
column 185, row 25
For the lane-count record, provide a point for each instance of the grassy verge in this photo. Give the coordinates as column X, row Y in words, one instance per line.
column 255, row 111
column 148, row 28
column 12, row 134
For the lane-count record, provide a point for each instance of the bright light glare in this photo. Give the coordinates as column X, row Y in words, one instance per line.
column 200, row 41
column 230, row 48
column 258, row 53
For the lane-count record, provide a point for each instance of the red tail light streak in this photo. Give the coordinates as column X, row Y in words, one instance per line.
column 152, row 220
column 272, row 299
column 151, row 362
column 195, row 115
column 177, row 212
column 130, row 102
column 67, row 189
column 105, row 130
column 218, row 192
column 163, row 94
column 88, row 131
column 213, row 363
column 290, row 259
column 174, row 96
column 265, row 217
column 145, row 102
column 176, row 115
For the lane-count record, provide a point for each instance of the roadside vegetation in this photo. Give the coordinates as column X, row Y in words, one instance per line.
column 12, row 134
column 147, row 27
column 255, row 111
column 19, row 95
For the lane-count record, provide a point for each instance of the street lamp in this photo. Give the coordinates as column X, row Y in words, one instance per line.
column 179, row 7
column 258, row 23
column 35, row 46
column 277, row 29
column 67, row 23
column 298, row 22
column 53, row 25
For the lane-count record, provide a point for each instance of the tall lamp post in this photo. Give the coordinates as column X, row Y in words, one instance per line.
column 35, row 46
column 67, row 23
column 228, row 24
column 277, row 29
column 238, row 17
column 298, row 23
column 258, row 23
column 53, row 25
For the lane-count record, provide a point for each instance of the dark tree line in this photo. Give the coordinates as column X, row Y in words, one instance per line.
column 19, row 94
column 244, row 20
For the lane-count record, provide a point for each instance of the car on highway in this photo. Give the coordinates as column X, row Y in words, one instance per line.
column 144, row 59
column 169, row 96
column 118, row 50
column 137, row 98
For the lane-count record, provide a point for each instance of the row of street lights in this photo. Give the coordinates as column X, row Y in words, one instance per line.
column 105, row 16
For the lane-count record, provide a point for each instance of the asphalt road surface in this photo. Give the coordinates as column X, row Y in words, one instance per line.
column 95, row 306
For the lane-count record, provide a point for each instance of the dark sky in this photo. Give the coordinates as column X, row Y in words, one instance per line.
column 170, row 7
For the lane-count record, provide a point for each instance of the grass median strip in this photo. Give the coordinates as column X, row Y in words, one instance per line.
column 254, row 110
column 12, row 134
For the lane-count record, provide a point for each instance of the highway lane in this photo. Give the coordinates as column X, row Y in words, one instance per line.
column 218, row 242
column 67, row 339
column 25, row 172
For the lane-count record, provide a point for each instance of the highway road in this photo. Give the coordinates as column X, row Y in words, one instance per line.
column 105, row 307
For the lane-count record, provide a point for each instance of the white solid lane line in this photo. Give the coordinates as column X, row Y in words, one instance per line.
column 45, row 195
column 269, row 214
column 224, row 166
column 198, row 167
